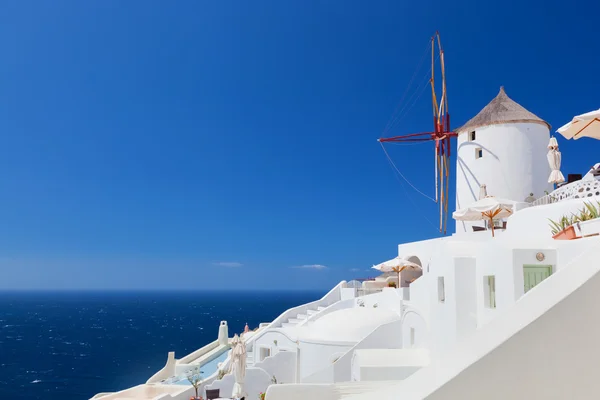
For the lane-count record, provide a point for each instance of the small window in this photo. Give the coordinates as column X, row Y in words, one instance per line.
column 264, row 353
column 472, row 136
column 478, row 152
column 441, row 290
column 489, row 291
column 412, row 337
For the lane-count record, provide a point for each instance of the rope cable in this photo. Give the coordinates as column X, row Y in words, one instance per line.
column 390, row 122
column 409, row 197
column 400, row 173
column 404, row 111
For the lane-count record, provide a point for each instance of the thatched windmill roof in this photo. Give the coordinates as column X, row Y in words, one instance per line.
column 501, row 110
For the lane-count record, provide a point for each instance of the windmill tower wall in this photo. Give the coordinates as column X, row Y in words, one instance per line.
column 507, row 154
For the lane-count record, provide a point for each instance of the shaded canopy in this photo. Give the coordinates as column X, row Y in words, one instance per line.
column 489, row 207
column 501, row 110
column 587, row 124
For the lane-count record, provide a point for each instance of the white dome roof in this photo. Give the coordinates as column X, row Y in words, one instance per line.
column 346, row 325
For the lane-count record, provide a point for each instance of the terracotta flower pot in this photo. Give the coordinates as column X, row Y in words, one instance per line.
column 566, row 234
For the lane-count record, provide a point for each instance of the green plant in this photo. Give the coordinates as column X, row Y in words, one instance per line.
column 563, row 223
column 261, row 396
column 195, row 378
column 591, row 210
column 391, row 284
column 221, row 374
column 275, row 342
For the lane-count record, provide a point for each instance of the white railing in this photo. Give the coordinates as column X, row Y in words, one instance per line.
column 575, row 190
column 547, row 199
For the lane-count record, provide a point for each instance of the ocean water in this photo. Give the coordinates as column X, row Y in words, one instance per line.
column 72, row 345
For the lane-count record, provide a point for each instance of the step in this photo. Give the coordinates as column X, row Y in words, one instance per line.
column 294, row 320
column 287, row 325
column 311, row 312
column 301, row 316
column 321, row 308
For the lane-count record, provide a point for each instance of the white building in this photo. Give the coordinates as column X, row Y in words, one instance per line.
column 507, row 317
column 504, row 148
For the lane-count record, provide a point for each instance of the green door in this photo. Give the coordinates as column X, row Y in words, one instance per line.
column 534, row 274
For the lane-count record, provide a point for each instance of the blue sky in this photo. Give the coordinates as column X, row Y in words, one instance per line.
column 209, row 145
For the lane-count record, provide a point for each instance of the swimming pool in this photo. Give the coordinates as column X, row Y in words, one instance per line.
column 207, row 370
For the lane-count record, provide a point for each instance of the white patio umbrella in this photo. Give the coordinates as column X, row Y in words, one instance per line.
column 489, row 208
column 554, row 158
column 238, row 366
column 587, row 124
column 397, row 265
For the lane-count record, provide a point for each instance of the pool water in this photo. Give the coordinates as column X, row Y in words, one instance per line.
column 207, row 369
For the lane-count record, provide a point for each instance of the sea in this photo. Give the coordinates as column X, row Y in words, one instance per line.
column 72, row 345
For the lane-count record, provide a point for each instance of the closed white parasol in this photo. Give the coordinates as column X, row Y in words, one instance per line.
column 238, row 366
column 554, row 159
column 397, row 265
column 489, row 208
column 587, row 124
column 482, row 192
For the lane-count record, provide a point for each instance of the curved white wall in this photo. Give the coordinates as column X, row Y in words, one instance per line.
column 413, row 327
column 513, row 164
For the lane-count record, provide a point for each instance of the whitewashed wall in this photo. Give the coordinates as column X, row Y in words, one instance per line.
column 282, row 365
column 256, row 381
column 313, row 356
column 385, row 336
column 301, row 392
column 513, row 164
column 267, row 340
column 413, row 319
column 516, row 355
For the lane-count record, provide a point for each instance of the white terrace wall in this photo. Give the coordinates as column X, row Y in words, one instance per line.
column 414, row 327
column 301, row 392
column 532, row 222
column 383, row 337
column 165, row 372
column 256, row 381
column 146, row 391
column 333, row 296
column 314, row 356
column 544, row 347
column 268, row 339
column 340, row 305
column 282, row 366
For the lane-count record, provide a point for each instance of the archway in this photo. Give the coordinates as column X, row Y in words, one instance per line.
column 409, row 276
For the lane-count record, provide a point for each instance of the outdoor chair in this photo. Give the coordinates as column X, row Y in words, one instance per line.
column 212, row 394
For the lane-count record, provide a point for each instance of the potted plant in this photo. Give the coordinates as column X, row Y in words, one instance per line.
column 563, row 229
column 195, row 378
column 261, row 396
column 589, row 220
column 392, row 284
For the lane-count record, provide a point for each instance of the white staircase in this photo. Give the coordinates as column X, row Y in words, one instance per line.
column 301, row 318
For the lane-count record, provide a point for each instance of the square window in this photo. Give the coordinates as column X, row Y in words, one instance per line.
column 478, row 152
column 489, row 291
column 471, row 136
column 441, row 290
